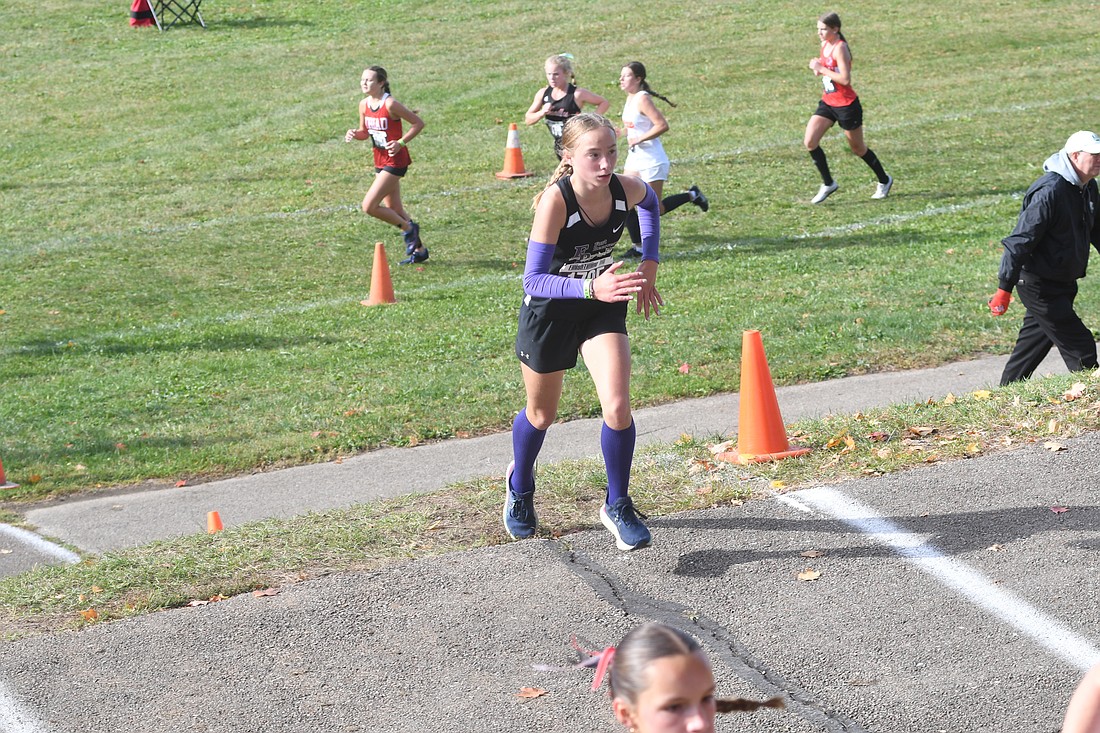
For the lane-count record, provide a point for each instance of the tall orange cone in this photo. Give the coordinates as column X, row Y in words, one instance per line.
column 4, row 484
column 381, row 286
column 513, row 157
column 213, row 522
column 761, row 435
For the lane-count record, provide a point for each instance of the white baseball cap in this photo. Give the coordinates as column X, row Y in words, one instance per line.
column 1083, row 142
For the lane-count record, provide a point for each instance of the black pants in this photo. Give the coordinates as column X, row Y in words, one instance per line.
column 1050, row 321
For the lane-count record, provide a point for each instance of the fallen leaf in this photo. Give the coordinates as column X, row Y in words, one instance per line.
column 685, row 368
column 809, row 574
column 974, row 448
column 981, row 394
column 1076, row 392
column 721, row 447
column 812, row 553
column 90, row 615
column 849, row 444
column 96, row 589
column 921, row 430
column 529, row 693
column 1059, row 509
column 265, row 592
column 181, row 482
column 196, row 603
column 950, row 399
column 1053, row 447
column 884, row 453
column 997, row 547
column 877, row 437
column 6, row 551
column 1052, row 426
column 777, row 484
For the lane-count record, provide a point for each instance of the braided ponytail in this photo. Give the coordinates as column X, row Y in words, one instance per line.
column 638, row 69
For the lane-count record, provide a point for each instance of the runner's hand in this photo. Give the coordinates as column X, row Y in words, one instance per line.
column 615, row 287
column 648, row 297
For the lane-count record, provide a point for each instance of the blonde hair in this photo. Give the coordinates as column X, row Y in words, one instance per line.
column 652, row 641
column 563, row 61
column 575, row 127
column 645, row 644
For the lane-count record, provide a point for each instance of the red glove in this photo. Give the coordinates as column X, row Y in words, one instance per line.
column 998, row 304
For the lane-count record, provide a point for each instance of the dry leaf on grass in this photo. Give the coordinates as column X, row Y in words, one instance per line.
column 981, row 394
column 265, row 592
column 722, row 447
column 90, row 615
column 1076, row 392
column 1053, row 447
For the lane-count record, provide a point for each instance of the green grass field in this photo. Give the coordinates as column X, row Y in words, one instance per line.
column 182, row 257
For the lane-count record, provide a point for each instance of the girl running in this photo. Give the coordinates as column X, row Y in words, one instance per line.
column 561, row 99
column 380, row 117
column 576, row 301
column 661, row 680
column 643, row 124
column 839, row 104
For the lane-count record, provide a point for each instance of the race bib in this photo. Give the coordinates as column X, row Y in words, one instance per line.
column 556, row 127
column 378, row 137
column 828, row 84
column 588, row 269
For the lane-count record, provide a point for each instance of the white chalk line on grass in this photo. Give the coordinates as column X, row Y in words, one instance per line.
column 461, row 284
column 968, row 583
column 37, row 542
column 14, row 717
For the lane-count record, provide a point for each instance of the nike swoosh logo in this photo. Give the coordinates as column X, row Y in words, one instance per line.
column 618, row 228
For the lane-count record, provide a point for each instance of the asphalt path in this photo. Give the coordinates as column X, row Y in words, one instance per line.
column 952, row 597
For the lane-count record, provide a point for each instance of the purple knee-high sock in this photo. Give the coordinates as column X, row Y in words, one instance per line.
column 526, row 444
column 618, row 454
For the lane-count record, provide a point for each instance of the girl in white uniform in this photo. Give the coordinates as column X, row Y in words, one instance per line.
column 643, row 124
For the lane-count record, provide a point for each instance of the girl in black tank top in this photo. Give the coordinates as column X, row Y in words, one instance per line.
column 561, row 99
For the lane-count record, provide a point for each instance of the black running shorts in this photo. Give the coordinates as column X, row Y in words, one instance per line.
column 849, row 117
column 548, row 344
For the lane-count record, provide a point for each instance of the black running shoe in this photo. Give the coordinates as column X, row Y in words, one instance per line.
column 700, row 200
column 417, row 256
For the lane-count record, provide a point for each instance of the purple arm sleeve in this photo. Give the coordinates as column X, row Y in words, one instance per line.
column 538, row 281
column 649, row 223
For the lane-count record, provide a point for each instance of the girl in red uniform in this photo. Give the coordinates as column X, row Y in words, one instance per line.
column 839, row 104
column 380, row 117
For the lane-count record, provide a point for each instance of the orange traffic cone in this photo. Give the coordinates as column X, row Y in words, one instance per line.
column 4, row 481
column 761, row 435
column 213, row 522
column 381, row 286
column 513, row 157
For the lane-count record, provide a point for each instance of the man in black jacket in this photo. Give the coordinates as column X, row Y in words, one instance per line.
column 1045, row 256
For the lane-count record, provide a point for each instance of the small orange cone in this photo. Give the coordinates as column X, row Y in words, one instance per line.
column 513, row 157
column 4, row 481
column 213, row 522
column 381, row 286
column 761, row 435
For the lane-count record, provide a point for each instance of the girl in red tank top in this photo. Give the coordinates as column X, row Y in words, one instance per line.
column 839, row 104
column 380, row 121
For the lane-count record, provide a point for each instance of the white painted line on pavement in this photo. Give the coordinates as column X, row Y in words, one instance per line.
column 35, row 541
column 969, row 583
column 14, row 718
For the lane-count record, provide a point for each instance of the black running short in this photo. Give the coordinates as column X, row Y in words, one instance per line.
column 399, row 172
column 849, row 117
column 550, row 344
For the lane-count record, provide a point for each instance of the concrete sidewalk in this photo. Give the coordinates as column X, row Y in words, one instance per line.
column 100, row 523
